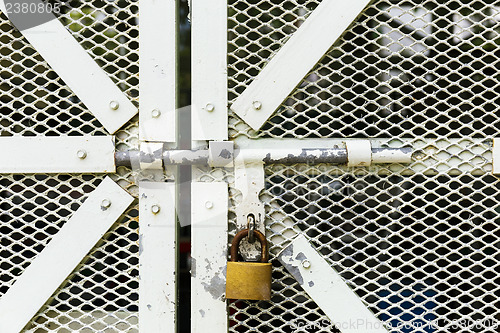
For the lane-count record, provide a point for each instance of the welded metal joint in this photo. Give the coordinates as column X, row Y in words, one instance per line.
column 185, row 157
column 249, row 180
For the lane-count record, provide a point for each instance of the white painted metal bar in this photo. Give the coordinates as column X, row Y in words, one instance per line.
column 157, row 258
column 150, row 156
column 209, row 205
column 327, row 288
column 69, row 154
column 295, row 59
column 356, row 155
column 80, row 72
column 209, row 70
column 157, row 88
column 60, row 257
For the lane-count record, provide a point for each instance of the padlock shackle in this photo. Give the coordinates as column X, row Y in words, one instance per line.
column 235, row 244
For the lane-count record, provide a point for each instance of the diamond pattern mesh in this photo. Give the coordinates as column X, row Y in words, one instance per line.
column 101, row 294
column 34, row 100
column 417, row 243
column 418, row 250
column 405, row 69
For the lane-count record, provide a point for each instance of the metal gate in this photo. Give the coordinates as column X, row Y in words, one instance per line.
column 416, row 242
column 100, row 295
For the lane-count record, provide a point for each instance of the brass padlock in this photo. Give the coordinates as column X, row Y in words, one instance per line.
column 248, row 280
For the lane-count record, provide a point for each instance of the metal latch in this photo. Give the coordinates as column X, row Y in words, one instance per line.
column 223, row 154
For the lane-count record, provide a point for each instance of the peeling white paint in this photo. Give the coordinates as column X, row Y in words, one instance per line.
column 327, row 288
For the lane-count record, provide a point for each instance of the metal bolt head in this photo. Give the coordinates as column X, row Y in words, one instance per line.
column 306, row 263
column 210, row 107
column 257, row 105
column 105, row 204
column 81, row 154
column 155, row 209
column 155, row 113
column 114, row 105
column 209, row 204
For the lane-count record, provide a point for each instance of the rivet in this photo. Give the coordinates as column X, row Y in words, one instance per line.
column 209, row 204
column 81, row 154
column 105, row 204
column 155, row 209
column 257, row 105
column 210, row 107
column 114, row 105
column 306, row 263
column 155, row 113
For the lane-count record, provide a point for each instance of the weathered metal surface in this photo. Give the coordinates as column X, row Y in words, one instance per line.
column 157, row 258
column 150, row 157
column 60, row 257
column 327, row 289
column 249, row 280
column 185, row 157
column 221, row 154
column 359, row 153
column 80, row 72
column 209, row 221
column 41, row 102
column 249, row 180
column 388, row 155
column 123, row 158
column 312, row 156
column 294, row 60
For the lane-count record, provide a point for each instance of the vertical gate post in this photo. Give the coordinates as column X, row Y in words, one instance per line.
column 157, row 258
column 157, row 199
column 208, row 252
column 158, row 70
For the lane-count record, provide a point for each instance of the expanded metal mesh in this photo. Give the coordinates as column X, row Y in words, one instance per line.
column 417, row 243
column 405, row 68
column 101, row 294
